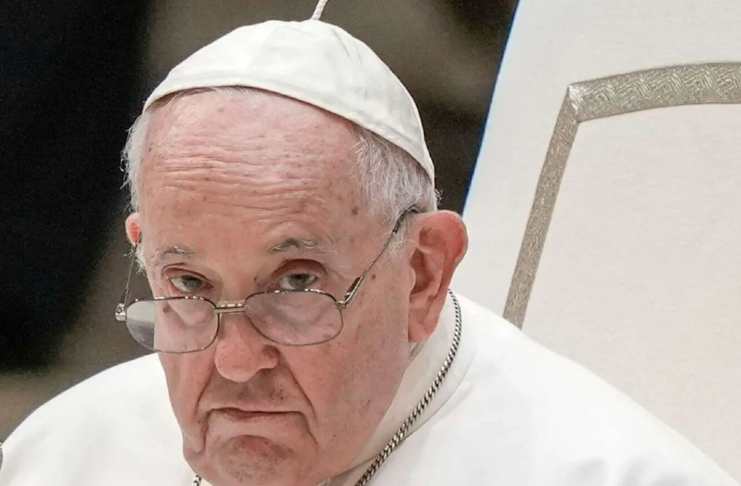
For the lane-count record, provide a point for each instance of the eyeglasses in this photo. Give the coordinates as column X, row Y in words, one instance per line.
column 185, row 324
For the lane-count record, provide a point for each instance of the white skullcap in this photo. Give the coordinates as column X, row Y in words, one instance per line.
column 314, row 62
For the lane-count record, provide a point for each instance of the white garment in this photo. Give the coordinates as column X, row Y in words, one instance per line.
column 510, row 413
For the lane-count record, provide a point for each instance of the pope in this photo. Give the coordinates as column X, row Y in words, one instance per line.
column 300, row 317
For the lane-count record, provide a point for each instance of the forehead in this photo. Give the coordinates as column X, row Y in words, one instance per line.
column 224, row 162
column 244, row 122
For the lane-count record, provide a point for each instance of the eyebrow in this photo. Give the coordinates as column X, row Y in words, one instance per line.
column 164, row 253
column 305, row 244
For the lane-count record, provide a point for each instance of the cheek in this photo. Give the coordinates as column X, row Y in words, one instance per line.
column 187, row 376
column 356, row 375
column 380, row 341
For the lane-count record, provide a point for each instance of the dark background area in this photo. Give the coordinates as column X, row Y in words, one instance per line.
column 73, row 76
column 67, row 95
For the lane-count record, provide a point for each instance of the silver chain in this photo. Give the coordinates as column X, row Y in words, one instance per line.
column 401, row 434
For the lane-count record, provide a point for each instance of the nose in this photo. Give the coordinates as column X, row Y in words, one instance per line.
column 242, row 352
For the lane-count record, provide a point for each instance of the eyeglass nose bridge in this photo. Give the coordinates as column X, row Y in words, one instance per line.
column 229, row 307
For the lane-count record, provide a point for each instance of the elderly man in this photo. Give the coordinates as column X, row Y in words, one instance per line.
column 285, row 215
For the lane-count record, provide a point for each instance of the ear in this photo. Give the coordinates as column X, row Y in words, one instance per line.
column 441, row 243
column 133, row 230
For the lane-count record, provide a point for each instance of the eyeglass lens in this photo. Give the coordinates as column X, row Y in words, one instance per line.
column 180, row 325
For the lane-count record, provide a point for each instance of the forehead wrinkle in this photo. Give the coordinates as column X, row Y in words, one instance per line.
column 257, row 150
column 193, row 200
column 220, row 174
column 256, row 179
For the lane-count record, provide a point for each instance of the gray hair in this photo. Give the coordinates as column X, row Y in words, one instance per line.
column 392, row 180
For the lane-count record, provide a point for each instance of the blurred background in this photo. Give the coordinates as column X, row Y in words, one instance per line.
column 73, row 77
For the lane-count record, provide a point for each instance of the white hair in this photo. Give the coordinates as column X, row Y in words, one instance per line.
column 392, row 180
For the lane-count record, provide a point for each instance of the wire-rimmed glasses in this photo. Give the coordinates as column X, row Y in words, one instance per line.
column 186, row 324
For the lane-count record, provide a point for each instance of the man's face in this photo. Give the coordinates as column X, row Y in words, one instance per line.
column 231, row 182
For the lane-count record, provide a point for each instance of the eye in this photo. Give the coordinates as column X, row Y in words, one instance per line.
column 187, row 284
column 297, row 281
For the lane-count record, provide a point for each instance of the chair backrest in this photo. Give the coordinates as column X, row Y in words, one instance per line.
column 605, row 210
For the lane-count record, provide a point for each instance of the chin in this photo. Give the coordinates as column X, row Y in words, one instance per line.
column 250, row 460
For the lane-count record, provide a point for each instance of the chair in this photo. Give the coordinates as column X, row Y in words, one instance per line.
column 605, row 210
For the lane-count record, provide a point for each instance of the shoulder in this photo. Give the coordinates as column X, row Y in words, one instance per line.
column 524, row 415
column 96, row 431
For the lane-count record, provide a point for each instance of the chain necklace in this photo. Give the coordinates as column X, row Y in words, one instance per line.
column 401, row 434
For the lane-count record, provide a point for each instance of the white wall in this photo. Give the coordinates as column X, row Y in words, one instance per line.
column 640, row 273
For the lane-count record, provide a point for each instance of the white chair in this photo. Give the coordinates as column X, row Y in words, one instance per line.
column 605, row 211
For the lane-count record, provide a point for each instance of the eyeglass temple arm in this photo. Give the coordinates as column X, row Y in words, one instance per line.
column 121, row 307
column 353, row 290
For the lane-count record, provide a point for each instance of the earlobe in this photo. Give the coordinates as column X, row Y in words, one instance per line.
column 133, row 231
column 441, row 243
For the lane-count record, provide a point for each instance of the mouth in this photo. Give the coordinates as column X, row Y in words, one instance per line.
column 247, row 416
column 276, row 426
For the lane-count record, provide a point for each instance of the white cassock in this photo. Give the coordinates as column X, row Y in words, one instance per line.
column 510, row 413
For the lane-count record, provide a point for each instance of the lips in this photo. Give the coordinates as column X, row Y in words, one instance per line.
column 239, row 418
column 244, row 415
column 274, row 426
